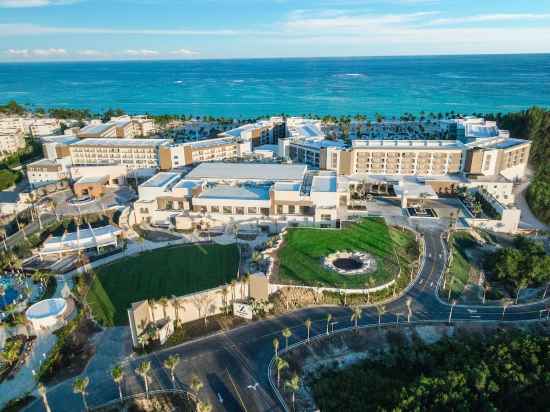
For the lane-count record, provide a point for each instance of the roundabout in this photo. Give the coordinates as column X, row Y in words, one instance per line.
column 350, row 263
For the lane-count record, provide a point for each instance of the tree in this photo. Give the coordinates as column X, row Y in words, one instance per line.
column 356, row 313
column 280, row 364
column 79, row 387
column 308, row 327
column 329, row 318
column 203, row 407
column 276, row 346
column 381, row 309
column 118, row 375
column 163, row 302
column 143, row 370
column 196, row 384
column 171, row 363
column 409, row 302
column 293, row 384
column 287, row 333
column 43, row 391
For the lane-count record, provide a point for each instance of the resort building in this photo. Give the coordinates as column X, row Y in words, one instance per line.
column 140, row 156
column 223, row 148
column 102, row 130
column 46, row 171
column 41, row 126
column 92, row 180
column 259, row 133
column 12, row 135
column 141, row 126
column 241, row 192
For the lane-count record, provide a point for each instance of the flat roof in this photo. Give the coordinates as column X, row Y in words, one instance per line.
column 220, row 141
column 407, row 144
column 248, row 171
column 160, row 179
column 236, row 192
column 92, row 180
column 122, row 142
column 287, row 186
column 318, row 143
column 324, row 184
column 43, row 162
column 96, row 129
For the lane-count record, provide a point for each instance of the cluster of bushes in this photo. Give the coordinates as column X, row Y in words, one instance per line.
column 524, row 264
column 506, row 372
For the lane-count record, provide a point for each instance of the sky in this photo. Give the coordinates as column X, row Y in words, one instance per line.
column 38, row 30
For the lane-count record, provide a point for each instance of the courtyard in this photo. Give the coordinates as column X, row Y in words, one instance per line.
column 166, row 272
column 300, row 259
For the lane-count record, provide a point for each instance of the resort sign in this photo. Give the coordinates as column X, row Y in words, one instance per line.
column 242, row 310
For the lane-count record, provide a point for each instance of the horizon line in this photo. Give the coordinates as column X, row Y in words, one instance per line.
column 167, row 59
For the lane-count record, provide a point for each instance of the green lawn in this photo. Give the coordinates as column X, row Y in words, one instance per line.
column 300, row 256
column 460, row 267
column 163, row 272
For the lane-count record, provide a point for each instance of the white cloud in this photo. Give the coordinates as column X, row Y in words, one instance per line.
column 52, row 52
column 141, row 52
column 184, row 52
column 34, row 3
column 485, row 18
column 92, row 53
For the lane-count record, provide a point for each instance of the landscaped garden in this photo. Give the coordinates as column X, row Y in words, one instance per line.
column 160, row 273
column 300, row 258
column 500, row 269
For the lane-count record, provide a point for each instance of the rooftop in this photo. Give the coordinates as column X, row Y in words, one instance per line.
column 93, row 180
column 96, row 129
column 122, row 142
column 236, row 192
column 161, row 179
column 324, row 184
column 43, row 162
column 403, row 144
column 248, row 171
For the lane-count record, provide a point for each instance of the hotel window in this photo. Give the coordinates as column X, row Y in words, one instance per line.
column 325, row 217
column 143, row 210
column 239, row 210
column 279, row 209
column 252, row 210
column 265, row 211
column 227, row 210
column 291, row 209
column 215, row 209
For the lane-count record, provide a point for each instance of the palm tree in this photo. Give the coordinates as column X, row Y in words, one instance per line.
column 79, row 386
column 308, row 327
column 171, row 363
column 293, row 385
column 203, row 407
column 409, row 310
column 118, row 375
column 152, row 304
column 3, row 236
column 196, row 384
column 280, row 364
column 42, row 391
column 287, row 333
column 381, row 310
column 177, row 305
column 369, row 285
column 164, row 303
column 276, row 347
column 329, row 318
column 143, row 370
column 356, row 313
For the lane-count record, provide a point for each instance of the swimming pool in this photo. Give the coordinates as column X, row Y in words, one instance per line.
column 11, row 292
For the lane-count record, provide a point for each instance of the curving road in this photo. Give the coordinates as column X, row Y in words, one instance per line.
column 233, row 365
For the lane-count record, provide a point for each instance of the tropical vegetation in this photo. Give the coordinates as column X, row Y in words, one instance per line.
column 507, row 371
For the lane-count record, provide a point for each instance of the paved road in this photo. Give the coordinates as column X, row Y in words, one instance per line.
column 233, row 365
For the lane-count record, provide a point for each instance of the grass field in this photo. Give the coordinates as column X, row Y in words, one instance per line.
column 162, row 272
column 301, row 254
column 461, row 266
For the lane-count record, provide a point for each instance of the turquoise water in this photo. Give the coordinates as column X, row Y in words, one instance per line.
column 10, row 293
column 246, row 88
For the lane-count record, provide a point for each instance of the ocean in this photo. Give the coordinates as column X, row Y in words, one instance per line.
column 256, row 87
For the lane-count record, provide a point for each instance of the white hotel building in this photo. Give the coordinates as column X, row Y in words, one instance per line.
column 242, row 192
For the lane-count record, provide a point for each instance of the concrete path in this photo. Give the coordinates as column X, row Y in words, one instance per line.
column 528, row 219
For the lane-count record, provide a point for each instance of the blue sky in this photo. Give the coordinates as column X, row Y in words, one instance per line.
column 33, row 30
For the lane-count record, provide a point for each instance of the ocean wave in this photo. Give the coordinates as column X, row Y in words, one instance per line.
column 178, row 82
column 351, row 75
